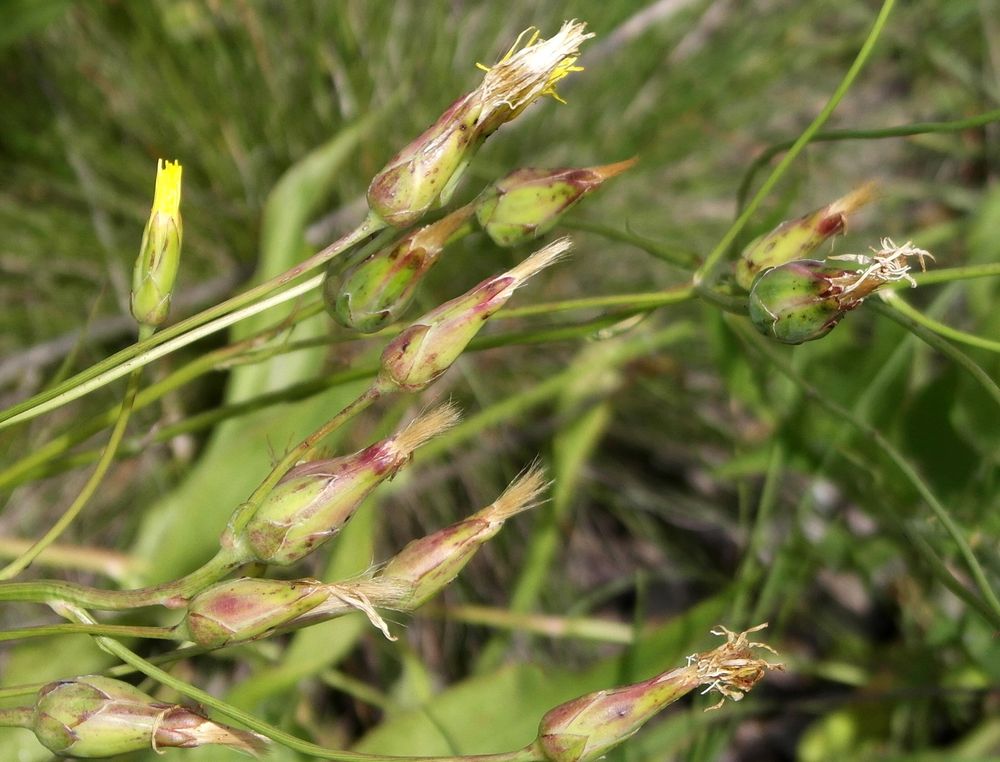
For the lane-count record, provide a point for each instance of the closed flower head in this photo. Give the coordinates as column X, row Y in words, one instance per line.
column 314, row 500
column 425, row 172
column 804, row 299
column 434, row 341
column 529, row 202
column 159, row 253
column 799, row 238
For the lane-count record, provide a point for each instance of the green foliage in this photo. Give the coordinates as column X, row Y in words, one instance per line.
column 847, row 490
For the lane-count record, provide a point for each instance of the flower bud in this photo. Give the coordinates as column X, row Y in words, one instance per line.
column 314, row 500
column 425, row 566
column 415, row 179
column 377, row 290
column 428, row 347
column 804, row 299
column 797, row 239
column 159, row 254
column 427, row 170
column 94, row 716
column 588, row 727
column 244, row 609
column 528, row 202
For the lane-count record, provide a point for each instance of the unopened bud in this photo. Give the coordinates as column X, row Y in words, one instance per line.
column 426, row 171
column 588, row 727
column 425, row 566
column 159, row 254
column 428, row 347
column 804, row 300
column 314, row 500
column 529, row 202
column 377, row 290
column 799, row 238
column 94, row 716
column 248, row 608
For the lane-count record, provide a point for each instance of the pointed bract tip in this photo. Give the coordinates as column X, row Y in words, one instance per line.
column 427, row 426
column 607, row 171
column 524, row 493
column 855, row 199
column 544, row 257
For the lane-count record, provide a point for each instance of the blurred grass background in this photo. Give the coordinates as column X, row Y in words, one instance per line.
column 661, row 447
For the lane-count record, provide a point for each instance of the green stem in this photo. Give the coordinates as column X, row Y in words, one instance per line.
column 17, row 717
column 988, row 605
column 583, row 628
column 85, row 385
column 213, row 319
column 113, row 647
column 125, row 631
column 22, row 562
column 948, row 274
column 183, row 375
column 914, row 317
column 683, row 259
column 900, row 131
column 109, row 563
column 704, row 272
column 765, row 509
column 172, row 594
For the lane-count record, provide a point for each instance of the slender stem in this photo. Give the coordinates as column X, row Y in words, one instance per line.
column 125, row 631
column 183, row 375
column 17, row 717
column 96, row 381
column 172, row 594
column 796, row 148
column 899, row 131
column 218, row 317
column 918, row 329
column 683, row 259
column 600, row 630
column 109, row 563
column 988, row 605
column 948, row 274
column 528, row 754
column 22, row 562
column 765, row 508
column 914, row 317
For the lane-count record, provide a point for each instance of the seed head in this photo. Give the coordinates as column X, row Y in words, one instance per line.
column 427, row 170
column 804, row 300
column 588, row 727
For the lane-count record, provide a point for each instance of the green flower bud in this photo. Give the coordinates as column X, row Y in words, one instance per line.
column 588, row 727
column 414, row 179
column 159, row 254
column 529, row 202
column 425, row 566
column 426, row 171
column 803, row 300
column 377, row 290
column 314, row 500
column 434, row 341
column 248, row 608
column 94, row 716
column 797, row 239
